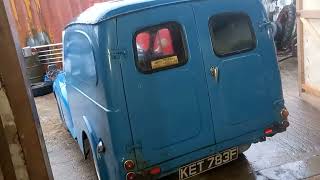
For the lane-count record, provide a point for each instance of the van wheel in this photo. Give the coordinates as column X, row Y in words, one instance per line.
column 244, row 148
column 88, row 155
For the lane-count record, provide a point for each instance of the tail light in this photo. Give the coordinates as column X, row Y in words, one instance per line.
column 268, row 131
column 155, row 171
column 284, row 113
column 129, row 165
column 131, row 176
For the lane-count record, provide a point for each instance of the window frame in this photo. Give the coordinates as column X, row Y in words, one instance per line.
column 252, row 31
column 167, row 25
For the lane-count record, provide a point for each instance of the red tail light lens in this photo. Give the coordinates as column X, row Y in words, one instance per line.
column 268, row 131
column 155, row 171
column 129, row 165
column 131, row 176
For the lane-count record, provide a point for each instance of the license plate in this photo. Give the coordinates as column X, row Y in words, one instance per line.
column 208, row 163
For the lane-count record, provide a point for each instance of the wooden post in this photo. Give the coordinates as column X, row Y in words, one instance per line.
column 1, row 176
column 26, row 157
column 6, row 166
column 301, row 79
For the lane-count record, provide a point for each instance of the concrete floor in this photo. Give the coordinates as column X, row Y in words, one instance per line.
column 66, row 159
column 294, row 154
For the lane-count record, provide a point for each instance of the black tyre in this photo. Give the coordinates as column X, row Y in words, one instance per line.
column 41, row 89
column 287, row 20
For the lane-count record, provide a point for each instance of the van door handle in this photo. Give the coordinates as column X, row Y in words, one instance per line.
column 214, row 72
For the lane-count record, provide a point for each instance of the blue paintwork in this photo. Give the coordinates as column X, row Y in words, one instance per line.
column 105, row 11
column 59, row 87
column 171, row 117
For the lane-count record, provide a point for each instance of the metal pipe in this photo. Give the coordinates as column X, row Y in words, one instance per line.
column 48, row 59
column 49, row 45
column 55, row 62
column 50, row 50
column 46, row 55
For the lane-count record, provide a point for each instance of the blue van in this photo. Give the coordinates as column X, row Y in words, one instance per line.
column 155, row 87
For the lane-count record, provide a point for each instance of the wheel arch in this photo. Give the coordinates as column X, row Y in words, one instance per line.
column 88, row 142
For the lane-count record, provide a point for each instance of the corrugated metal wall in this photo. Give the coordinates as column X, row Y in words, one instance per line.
column 42, row 21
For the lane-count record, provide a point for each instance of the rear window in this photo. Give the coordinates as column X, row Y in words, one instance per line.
column 232, row 33
column 159, row 47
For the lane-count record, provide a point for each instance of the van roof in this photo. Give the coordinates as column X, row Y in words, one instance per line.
column 110, row 9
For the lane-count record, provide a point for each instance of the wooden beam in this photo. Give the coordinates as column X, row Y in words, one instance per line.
column 301, row 77
column 1, row 175
column 309, row 14
column 21, row 102
column 308, row 26
column 313, row 100
column 6, row 166
column 311, row 90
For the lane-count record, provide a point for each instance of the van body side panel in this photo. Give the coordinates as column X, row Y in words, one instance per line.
column 111, row 79
column 86, row 98
column 61, row 95
column 95, row 94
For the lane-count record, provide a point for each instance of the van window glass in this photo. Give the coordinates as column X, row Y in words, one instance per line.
column 79, row 60
column 159, row 47
column 232, row 33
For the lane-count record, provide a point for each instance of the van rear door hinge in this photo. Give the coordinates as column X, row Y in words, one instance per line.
column 116, row 53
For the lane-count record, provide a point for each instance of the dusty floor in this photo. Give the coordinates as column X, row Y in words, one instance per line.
column 294, row 154
column 66, row 159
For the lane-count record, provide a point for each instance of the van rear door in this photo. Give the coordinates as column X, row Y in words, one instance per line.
column 164, row 82
column 240, row 65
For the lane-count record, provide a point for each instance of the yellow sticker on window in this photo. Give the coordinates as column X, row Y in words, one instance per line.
column 165, row 62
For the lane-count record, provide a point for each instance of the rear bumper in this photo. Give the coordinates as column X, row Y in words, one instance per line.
column 172, row 166
column 279, row 128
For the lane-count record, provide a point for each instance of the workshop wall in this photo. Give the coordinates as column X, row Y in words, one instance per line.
column 42, row 21
column 309, row 43
column 311, row 35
